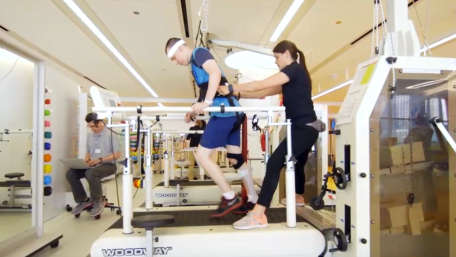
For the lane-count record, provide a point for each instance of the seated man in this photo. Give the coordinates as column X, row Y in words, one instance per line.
column 102, row 150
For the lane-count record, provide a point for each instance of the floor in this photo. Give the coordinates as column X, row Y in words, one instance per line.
column 81, row 233
column 13, row 223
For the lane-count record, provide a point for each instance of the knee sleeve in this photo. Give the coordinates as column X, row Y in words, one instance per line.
column 240, row 161
column 238, row 157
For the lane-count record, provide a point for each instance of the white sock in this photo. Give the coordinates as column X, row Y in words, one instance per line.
column 252, row 198
column 230, row 195
column 250, row 186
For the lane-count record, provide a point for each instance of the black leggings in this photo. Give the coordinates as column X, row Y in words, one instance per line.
column 303, row 138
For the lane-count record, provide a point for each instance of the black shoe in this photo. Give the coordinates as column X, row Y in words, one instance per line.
column 245, row 208
column 227, row 206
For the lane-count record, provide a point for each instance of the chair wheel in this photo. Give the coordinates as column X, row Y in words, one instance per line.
column 97, row 217
column 118, row 212
column 77, row 215
column 54, row 244
column 68, row 208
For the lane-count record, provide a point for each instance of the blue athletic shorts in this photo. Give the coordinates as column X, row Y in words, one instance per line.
column 218, row 133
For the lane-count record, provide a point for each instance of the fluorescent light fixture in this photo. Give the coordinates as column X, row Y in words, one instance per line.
column 249, row 59
column 286, row 19
column 5, row 54
column 420, row 71
column 108, row 44
column 442, row 41
column 160, row 104
column 333, row 89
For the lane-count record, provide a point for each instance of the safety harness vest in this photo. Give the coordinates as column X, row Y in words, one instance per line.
column 202, row 80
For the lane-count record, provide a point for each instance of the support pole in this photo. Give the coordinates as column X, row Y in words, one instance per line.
column 127, row 181
column 149, row 175
column 245, row 155
column 166, row 159
column 173, row 176
column 290, row 181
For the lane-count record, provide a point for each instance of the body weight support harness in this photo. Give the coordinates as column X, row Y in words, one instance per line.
column 202, row 80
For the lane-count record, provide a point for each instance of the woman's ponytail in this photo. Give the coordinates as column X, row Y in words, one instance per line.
column 302, row 61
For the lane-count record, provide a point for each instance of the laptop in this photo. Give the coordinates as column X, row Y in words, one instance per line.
column 75, row 164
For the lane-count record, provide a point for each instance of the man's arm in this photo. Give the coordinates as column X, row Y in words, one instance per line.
column 204, row 59
column 215, row 75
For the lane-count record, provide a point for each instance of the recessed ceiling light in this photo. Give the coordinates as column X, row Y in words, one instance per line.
column 338, row 22
column 136, row 12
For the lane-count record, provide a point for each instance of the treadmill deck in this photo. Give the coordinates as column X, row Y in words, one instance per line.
column 202, row 218
column 194, row 183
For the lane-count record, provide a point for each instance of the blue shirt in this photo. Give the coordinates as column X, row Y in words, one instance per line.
column 200, row 56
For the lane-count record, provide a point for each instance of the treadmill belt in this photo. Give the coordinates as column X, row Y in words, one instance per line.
column 189, row 183
column 195, row 183
column 202, row 218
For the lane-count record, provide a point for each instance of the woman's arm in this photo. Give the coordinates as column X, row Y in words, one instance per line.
column 261, row 93
column 274, row 81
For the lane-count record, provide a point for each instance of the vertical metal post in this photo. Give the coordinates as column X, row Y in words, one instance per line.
column 166, row 158
column 173, row 176
column 266, row 150
column 148, row 175
column 37, row 178
column 127, row 187
column 290, row 181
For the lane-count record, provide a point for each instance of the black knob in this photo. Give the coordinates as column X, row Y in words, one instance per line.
column 363, row 175
column 364, row 241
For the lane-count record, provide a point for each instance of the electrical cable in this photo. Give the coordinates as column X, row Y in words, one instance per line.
column 421, row 28
column 11, row 70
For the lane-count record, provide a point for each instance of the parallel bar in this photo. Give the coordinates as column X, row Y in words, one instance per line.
column 178, row 131
column 188, row 109
column 446, row 134
column 183, row 117
column 158, row 100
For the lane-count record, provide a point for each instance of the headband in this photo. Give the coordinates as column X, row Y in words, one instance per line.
column 173, row 49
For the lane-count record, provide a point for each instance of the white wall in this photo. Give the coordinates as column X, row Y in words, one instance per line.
column 16, row 99
column 64, row 95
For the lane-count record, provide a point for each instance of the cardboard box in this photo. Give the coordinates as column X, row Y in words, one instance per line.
column 441, row 187
column 401, row 153
column 396, row 155
column 395, row 216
